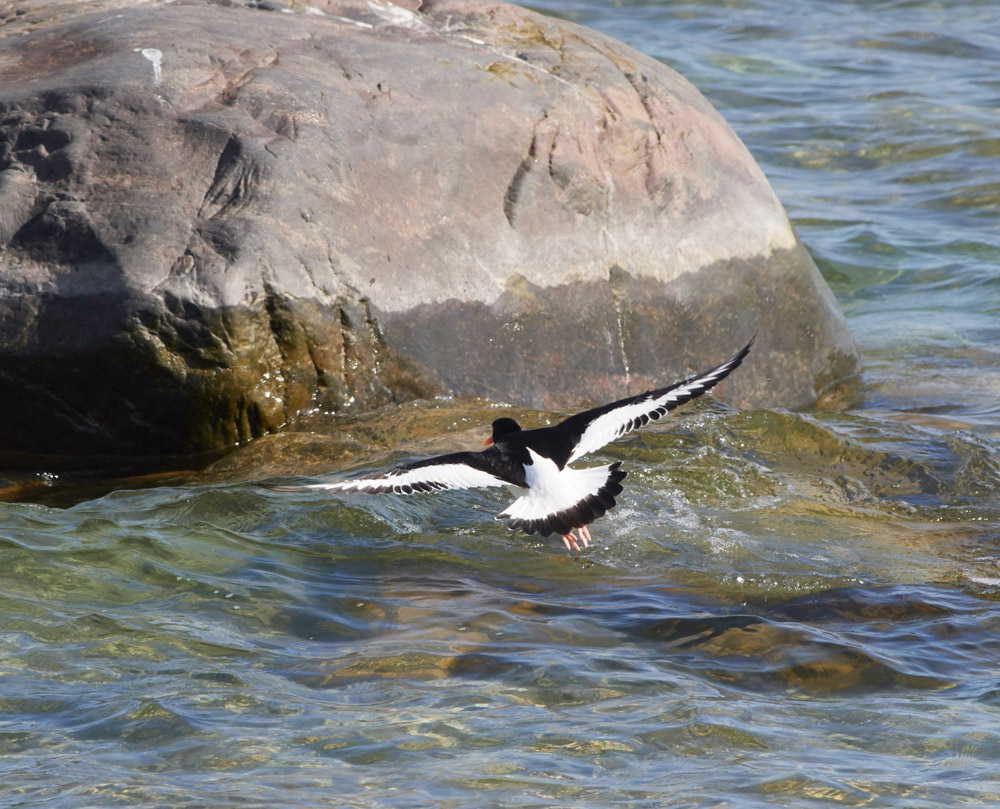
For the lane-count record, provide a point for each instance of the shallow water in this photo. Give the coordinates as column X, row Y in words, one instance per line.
column 786, row 609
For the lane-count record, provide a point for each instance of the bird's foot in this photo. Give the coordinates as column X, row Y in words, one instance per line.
column 572, row 542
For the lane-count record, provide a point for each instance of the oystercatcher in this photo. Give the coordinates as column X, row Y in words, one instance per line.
column 559, row 498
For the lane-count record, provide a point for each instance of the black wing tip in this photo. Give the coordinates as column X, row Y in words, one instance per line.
column 742, row 353
column 733, row 362
column 726, row 368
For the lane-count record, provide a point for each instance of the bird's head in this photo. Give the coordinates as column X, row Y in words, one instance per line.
column 502, row 428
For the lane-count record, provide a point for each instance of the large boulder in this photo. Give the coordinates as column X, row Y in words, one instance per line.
column 216, row 216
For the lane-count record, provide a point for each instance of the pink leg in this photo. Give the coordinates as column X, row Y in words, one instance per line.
column 569, row 540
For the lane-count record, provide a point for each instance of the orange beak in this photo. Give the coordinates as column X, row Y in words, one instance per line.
column 488, row 441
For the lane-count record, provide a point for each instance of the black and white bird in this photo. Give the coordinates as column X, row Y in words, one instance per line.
column 559, row 499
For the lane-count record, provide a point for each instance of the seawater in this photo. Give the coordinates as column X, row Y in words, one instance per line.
column 786, row 609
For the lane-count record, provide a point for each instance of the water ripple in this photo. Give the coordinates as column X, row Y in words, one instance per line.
column 793, row 609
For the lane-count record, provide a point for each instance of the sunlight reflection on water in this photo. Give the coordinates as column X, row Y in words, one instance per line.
column 785, row 609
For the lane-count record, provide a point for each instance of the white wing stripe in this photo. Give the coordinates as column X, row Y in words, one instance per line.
column 615, row 423
column 434, row 477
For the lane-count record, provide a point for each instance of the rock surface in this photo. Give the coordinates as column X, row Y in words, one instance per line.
column 216, row 216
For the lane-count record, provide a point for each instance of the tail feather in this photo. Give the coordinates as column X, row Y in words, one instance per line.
column 542, row 512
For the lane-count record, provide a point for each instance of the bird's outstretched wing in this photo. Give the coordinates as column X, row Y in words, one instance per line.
column 458, row 470
column 604, row 424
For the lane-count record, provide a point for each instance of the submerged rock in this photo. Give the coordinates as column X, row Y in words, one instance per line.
column 214, row 216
